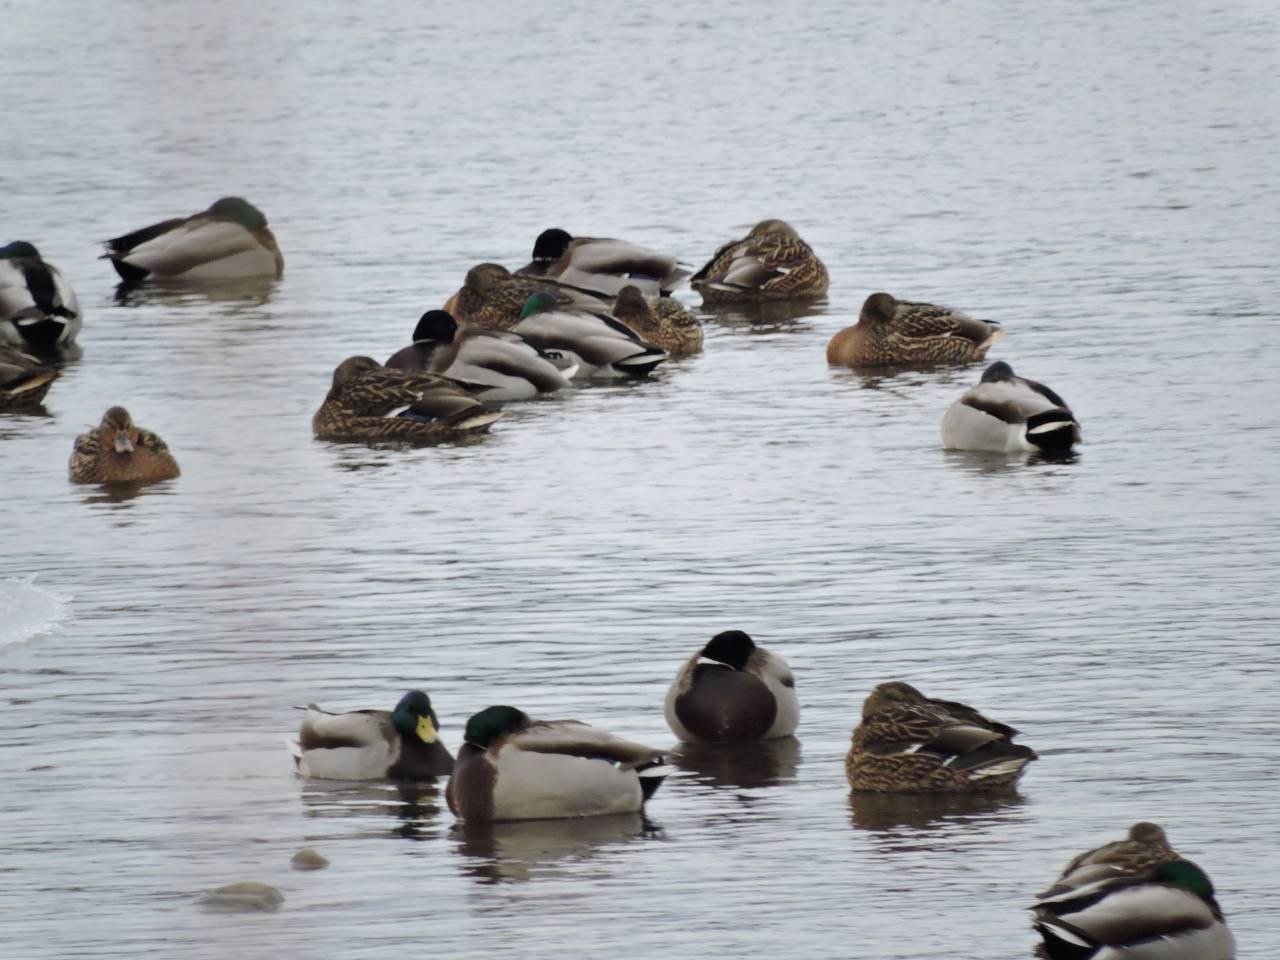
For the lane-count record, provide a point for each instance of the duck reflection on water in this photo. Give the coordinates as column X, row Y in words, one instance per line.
column 756, row 763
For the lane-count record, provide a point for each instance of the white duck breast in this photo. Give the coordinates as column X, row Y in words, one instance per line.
column 204, row 249
column 602, row 346
column 38, row 308
column 1008, row 414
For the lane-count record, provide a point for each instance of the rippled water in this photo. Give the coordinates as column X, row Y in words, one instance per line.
column 1099, row 178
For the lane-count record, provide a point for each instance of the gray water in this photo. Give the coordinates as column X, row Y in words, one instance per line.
column 1100, row 178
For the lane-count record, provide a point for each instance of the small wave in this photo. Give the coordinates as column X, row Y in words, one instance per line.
column 28, row 611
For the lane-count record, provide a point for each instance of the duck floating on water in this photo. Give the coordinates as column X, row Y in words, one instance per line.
column 118, row 451
column 769, row 263
column 602, row 266
column 39, row 312
column 733, row 689
column 663, row 321
column 908, row 743
column 892, row 332
column 24, row 380
column 229, row 241
column 1005, row 413
column 400, row 744
column 511, row 767
column 599, row 345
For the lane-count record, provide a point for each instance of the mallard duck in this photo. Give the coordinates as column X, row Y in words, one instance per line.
column 229, row 241
column 602, row 266
column 907, row 743
column 493, row 364
column 1005, row 413
column 1135, row 898
column 493, row 298
column 598, row 343
column 369, row 403
column 39, row 311
column 24, row 380
column 769, row 263
column 116, row 451
column 663, row 321
column 513, row 768
column 732, row 689
column 891, row 332
column 403, row 744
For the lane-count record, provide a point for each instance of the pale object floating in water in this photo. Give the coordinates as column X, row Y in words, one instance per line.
column 246, row 895
column 308, row 859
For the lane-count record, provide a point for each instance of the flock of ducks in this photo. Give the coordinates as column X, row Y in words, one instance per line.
column 583, row 308
column 1133, row 898
column 594, row 308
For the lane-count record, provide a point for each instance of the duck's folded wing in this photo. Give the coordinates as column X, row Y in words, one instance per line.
column 189, row 244
column 329, row 731
column 118, row 246
column 714, row 268
column 1130, row 911
column 1009, row 401
column 962, row 711
column 928, row 320
column 580, row 740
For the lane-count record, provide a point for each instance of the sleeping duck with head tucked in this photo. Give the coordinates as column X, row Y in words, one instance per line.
column 511, row 767
column 229, row 241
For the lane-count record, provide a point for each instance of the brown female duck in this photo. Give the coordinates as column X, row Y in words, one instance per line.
column 662, row 321
column 369, row 403
column 895, row 332
column 908, row 743
column 769, row 263
column 24, row 380
column 117, row 451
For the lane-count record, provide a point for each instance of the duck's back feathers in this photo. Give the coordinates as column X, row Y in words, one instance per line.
column 602, row 345
column 602, row 266
column 576, row 739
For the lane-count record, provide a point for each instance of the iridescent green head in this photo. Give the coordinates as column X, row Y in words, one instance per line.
column 539, row 302
column 18, row 249
column 414, row 718
column 494, row 722
column 238, row 210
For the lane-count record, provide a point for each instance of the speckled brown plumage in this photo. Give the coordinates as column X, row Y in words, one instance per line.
column 1145, row 846
column 492, row 297
column 117, row 451
column 24, row 380
column 372, row 403
column 908, row 743
column 892, row 332
column 769, row 263
column 663, row 321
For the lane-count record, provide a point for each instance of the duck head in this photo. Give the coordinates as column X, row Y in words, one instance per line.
column 733, row 648
column 887, row 695
column 19, row 249
column 539, row 302
column 435, row 326
column 551, row 245
column 414, row 718
column 118, row 432
column 239, row 210
column 493, row 723
column 878, row 308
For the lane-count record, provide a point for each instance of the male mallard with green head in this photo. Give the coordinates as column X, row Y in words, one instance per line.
column 908, row 743
column 769, row 263
column 602, row 266
column 513, row 768
column 229, row 241
column 1134, row 898
column 732, row 689
column 370, row 403
column 663, row 321
column 24, row 380
column 117, row 451
column 892, row 332
column 39, row 312
column 403, row 744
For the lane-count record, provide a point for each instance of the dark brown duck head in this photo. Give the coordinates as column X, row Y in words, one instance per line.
column 769, row 228
column 878, row 308
column 886, row 696
column 119, row 435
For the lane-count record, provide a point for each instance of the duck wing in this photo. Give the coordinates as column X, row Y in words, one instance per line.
column 187, row 244
column 322, row 730
column 573, row 738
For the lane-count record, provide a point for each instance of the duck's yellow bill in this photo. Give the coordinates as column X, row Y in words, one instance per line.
column 426, row 730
